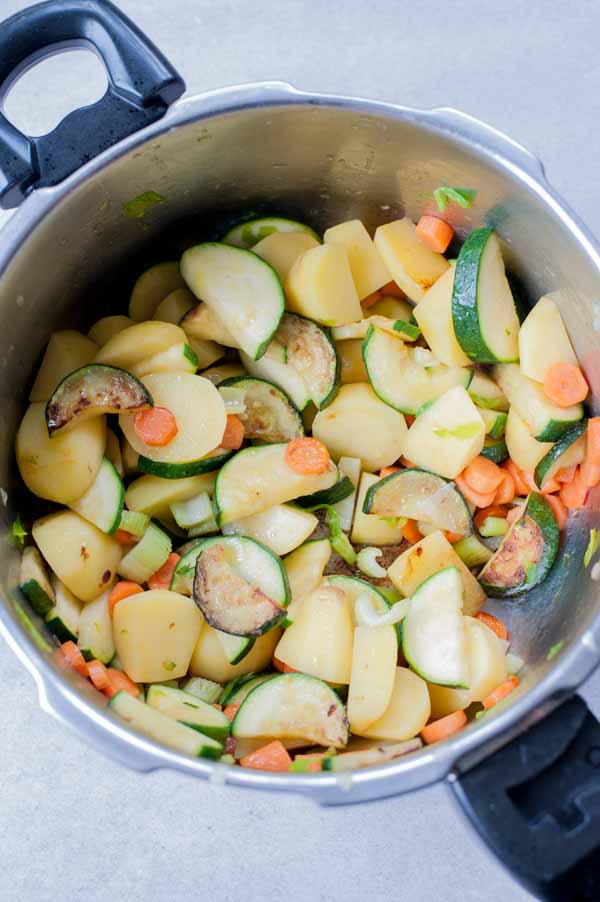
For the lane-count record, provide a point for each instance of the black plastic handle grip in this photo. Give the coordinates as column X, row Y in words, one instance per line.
column 536, row 802
column 142, row 85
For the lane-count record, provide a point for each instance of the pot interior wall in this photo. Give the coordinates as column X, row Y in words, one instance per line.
column 322, row 164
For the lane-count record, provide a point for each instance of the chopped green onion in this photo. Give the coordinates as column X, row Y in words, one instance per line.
column 366, row 560
column 493, row 526
column 592, row 547
column 464, row 431
column 462, row 196
column 409, row 330
column 554, row 650
column 147, row 556
column 136, row 207
column 472, row 552
column 234, row 399
column 193, row 512
column 18, row 532
column 135, row 523
column 303, row 765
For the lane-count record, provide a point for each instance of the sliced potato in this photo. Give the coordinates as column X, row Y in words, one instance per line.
column 203, row 323
column 320, row 287
column 67, row 351
column 352, row 365
column 282, row 249
column 154, row 496
column 544, row 340
column 133, row 345
column 82, row 556
column 152, row 287
column 281, row 528
column 414, row 267
column 210, row 661
column 155, row 633
column 179, row 358
column 524, row 449
column 371, row 529
column 392, row 308
column 174, row 306
column 305, row 567
column 104, row 329
column 434, row 315
column 374, row 658
column 199, row 412
column 368, row 269
column 408, row 711
column 61, row 468
column 358, row 424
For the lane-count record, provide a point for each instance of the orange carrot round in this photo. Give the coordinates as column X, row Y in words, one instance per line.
column 162, row 578
column 155, row 426
column 494, row 624
column 561, row 514
column 98, row 674
column 307, row 456
column 506, row 490
column 444, row 727
column 230, row 711
column 371, row 299
column 234, row 433
column 272, row 757
column 387, row 471
column 574, row 493
column 566, row 474
column 74, row 658
column 281, row 666
column 591, row 464
column 476, row 498
column 122, row 590
column 482, row 475
column 435, row 233
column 495, row 510
column 117, row 681
column 452, row 537
column 391, row 290
column 124, row 538
column 565, row 384
column 500, row 692
column 410, row 532
column 404, row 460
column 521, row 487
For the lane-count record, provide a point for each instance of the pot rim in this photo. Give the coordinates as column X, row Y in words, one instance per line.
column 60, row 697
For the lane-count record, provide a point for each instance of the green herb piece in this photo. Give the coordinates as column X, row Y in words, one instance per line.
column 169, row 665
column 591, row 549
column 554, row 650
column 464, row 431
column 136, row 207
column 462, row 196
column 18, row 532
column 409, row 330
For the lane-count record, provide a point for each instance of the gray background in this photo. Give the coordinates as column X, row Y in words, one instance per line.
column 75, row 825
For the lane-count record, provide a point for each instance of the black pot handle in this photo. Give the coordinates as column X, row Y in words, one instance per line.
column 536, row 803
column 142, row 85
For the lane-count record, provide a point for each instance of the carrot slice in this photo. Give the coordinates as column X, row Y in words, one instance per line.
column 551, row 485
column 74, row 658
column 234, row 433
column 281, row 666
column 307, row 456
column 500, row 692
column 514, row 514
column 387, row 471
column 122, row 590
column 124, row 538
column 574, row 493
column 566, row 474
column 371, row 299
column 444, row 727
column 482, row 475
column 476, row 498
column 506, row 490
column 452, row 537
column 117, row 681
column 411, row 532
column 162, row 578
column 521, row 487
column 495, row 510
column 435, row 233
column 561, row 514
column 494, row 624
column 155, row 426
column 565, row 384
column 391, row 290
column 273, row 757
column 404, row 460
column 98, row 674
column 230, row 711
column 591, row 464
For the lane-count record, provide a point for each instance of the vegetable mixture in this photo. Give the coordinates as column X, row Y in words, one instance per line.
column 281, row 488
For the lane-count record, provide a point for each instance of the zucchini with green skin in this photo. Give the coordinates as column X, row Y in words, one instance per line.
column 293, row 705
column 494, row 420
column 270, row 416
column 34, row 582
column 207, row 690
column 420, row 495
column 240, row 687
column 243, row 290
column 239, row 585
column 380, row 753
column 495, row 449
column 189, row 710
column 282, row 528
column 527, row 552
column 247, row 234
column 95, row 630
column 235, row 648
column 210, row 463
column 203, row 324
column 568, row 450
column 545, row 419
column 103, row 502
column 399, row 379
column 483, row 310
column 67, row 351
column 311, row 353
column 485, row 393
column 342, row 489
column 63, row 617
column 92, row 391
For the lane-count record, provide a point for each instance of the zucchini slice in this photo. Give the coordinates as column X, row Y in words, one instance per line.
column 66, row 351
column 546, row 420
column 207, row 690
column 249, row 233
column 240, row 687
column 568, row 450
column 180, row 358
column 527, row 552
column 483, row 310
column 103, row 502
column 164, row 729
column 381, row 753
column 370, row 529
column 203, row 324
column 282, row 528
column 273, row 367
column 311, row 352
column 524, row 449
column 341, row 490
column 95, row 630
column 188, row 709
column 270, row 416
column 240, row 585
column 243, row 290
column 485, row 393
column 210, row 463
column 420, row 495
column 200, row 415
column 236, row 648
column 293, row 705
column 399, row 380
column 34, row 582
column 63, row 617
column 258, row 478
column 543, row 341
column 92, row 391
column 494, row 420
column 152, row 287
column 433, row 632
column 495, row 449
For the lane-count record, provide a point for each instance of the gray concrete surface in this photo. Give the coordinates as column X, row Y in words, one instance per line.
column 75, row 825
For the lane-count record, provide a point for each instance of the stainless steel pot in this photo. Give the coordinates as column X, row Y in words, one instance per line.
column 70, row 251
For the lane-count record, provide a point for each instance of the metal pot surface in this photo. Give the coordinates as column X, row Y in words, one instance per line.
column 70, row 252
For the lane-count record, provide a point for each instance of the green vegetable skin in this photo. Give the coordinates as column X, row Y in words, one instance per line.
column 137, row 207
column 18, row 532
column 557, row 450
column 495, row 449
column 464, row 197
